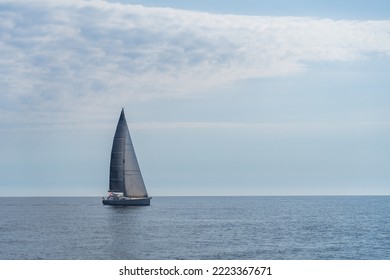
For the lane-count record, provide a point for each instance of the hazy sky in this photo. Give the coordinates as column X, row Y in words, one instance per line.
column 250, row 97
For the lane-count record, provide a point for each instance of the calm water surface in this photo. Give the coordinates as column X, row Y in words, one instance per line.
column 337, row 227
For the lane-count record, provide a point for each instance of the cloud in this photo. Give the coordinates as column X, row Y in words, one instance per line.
column 64, row 56
column 267, row 126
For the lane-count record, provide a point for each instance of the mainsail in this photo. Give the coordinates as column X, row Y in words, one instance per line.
column 125, row 174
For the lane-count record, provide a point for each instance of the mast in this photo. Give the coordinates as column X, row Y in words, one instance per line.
column 125, row 174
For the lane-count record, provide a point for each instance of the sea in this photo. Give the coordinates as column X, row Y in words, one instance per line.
column 197, row 228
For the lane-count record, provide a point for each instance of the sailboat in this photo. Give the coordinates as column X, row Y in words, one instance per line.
column 127, row 187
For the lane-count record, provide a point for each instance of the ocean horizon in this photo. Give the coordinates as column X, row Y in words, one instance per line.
column 311, row 227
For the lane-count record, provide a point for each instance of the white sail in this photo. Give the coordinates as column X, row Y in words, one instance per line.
column 125, row 174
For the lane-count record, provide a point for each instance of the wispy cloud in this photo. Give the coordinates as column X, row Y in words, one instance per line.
column 266, row 126
column 66, row 55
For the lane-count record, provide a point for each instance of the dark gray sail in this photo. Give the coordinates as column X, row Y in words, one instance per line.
column 125, row 174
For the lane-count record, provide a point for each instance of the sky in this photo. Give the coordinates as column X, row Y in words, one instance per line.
column 221, row 97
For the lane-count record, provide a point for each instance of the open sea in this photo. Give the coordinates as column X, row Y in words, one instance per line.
column 264, row 227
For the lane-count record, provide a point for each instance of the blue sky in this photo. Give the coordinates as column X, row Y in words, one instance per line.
column 345, row 9
column 222, row 97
